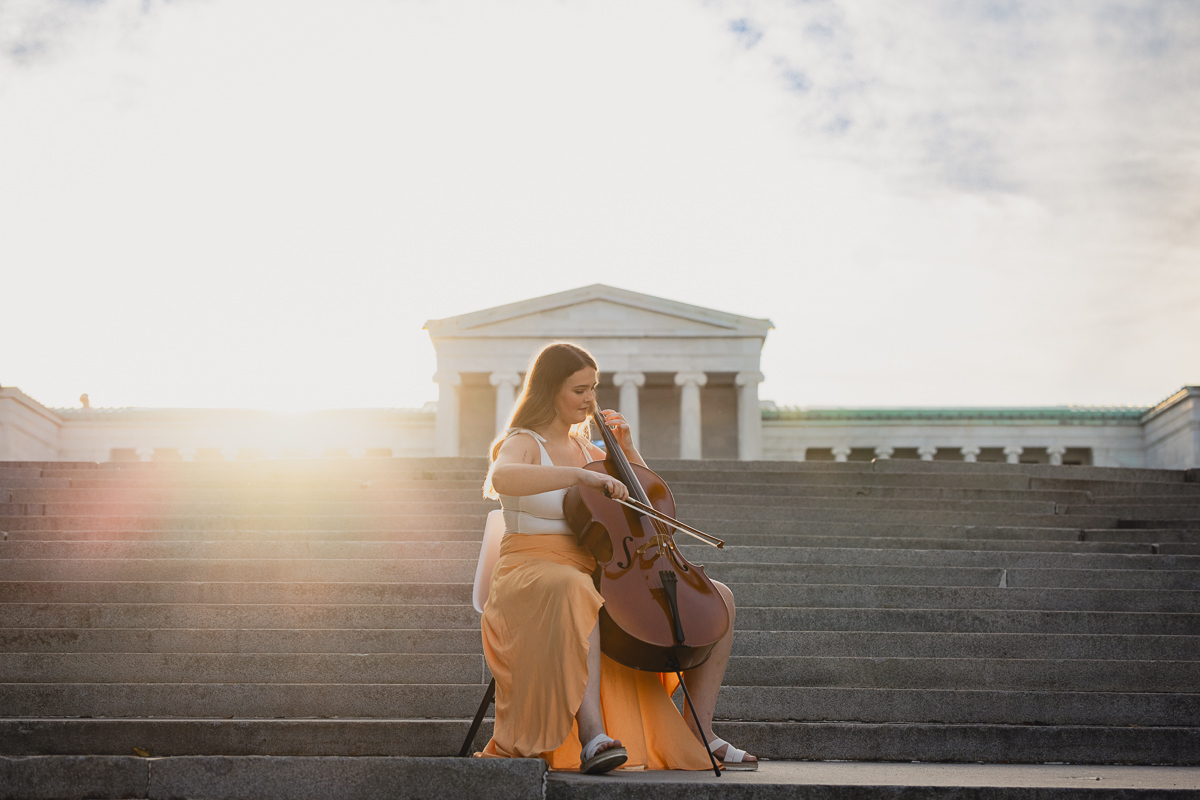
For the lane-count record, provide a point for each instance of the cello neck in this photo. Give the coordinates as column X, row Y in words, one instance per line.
column 614, row 454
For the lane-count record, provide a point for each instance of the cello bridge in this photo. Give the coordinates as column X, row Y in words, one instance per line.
column 662, row 540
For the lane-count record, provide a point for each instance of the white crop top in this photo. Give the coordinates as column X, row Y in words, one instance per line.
column 536, row 513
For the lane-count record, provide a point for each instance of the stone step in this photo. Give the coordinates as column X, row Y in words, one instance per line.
column 717, row 505
column 897, row 620
column 1156, row 535
column 229, row 615
column 273, row 469
column 1141, row 524
column 764, row 703
column 463, row 570
column 957, row 706
column 238, row 550
column 194, row 569
column 1175, row 511
column 774, row 618
column 259, row 668
column 261, row 640
column 706, row 505
column 1102, row 489
column 1156, row 545
column 254, row 508
column 830, row 596
column 735, row 531
column 967, row 479
column 470, row 490
column 825, row 644
column 936, row 742
column 409, row 551
column 261, row 523
column 1107, row 481
column 975, row 545
column 285, row 493
column 690, row 490
column 714, row 519
column 330, row 466
column 344, row 483
column 306, row 777
column 783, row 780
column 269, row 778
column 1192, row 497
column 459, row 594
column 905, row 466
column 1012, row 674
column 821, row 555
column 1126, row 540
column 235, row 700
column 195, row 592
column 811, row 741
column 714, row 516
column 862, row 644
column 411, row 534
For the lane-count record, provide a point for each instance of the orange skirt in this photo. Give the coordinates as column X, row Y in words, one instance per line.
column 541, row 607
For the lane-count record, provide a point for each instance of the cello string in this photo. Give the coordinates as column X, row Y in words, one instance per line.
column 651, row 511
column 634, row 486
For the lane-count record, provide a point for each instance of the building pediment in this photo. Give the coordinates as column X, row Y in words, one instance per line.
column 598, row 312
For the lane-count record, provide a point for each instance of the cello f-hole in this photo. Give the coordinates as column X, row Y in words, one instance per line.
column 628, row 557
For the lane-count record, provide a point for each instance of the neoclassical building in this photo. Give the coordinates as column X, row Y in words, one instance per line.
column 687, row 377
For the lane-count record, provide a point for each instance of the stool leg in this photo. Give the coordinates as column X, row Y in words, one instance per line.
column 488, row 697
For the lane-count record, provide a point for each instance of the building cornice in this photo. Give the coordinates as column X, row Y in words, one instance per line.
column 15, row 395
column 716, row 323
column 1053, row 415
column 1170, row 402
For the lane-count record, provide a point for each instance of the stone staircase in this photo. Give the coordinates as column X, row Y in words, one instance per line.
column 891, row 611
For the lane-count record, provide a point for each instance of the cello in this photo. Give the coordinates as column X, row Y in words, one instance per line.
column 661, row 613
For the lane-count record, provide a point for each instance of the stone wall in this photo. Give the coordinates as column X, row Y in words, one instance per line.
column 1172, row 431
column 1108, row 438
column 28, row 430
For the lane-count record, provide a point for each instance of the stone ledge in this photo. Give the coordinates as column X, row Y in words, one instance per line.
column 872, row 780
column 267, row 778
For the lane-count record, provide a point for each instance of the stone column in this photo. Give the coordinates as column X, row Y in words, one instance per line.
column 144, row 453
column 506, row 384
column 926, row 452
column 1012, row 454
column 841, row 453
column 749, row 416
column 1056, row 453
column 446, row 429
column 970, row 453
column 689, row 413
column 883, row 453
column 629, row 383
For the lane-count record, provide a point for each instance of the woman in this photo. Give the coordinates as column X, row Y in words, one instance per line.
column 556, row 694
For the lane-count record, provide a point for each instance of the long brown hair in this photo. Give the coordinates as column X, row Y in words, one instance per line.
column 535, row 407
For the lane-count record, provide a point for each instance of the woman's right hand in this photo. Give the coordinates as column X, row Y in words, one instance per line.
column 605, row 483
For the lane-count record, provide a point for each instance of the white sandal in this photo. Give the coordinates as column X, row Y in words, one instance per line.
column 734, row 759
column 594, row 763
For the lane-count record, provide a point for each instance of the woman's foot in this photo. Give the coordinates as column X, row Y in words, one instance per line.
column 730, row 757
column 601, row 754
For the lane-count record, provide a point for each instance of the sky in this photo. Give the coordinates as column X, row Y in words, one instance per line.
column 259, row 203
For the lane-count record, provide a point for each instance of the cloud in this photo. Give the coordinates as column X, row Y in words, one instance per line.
column 991, row 186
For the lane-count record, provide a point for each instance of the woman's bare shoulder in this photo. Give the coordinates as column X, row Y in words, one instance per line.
column 519, row 448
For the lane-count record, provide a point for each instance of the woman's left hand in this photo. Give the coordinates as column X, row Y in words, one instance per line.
column 617, row 424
